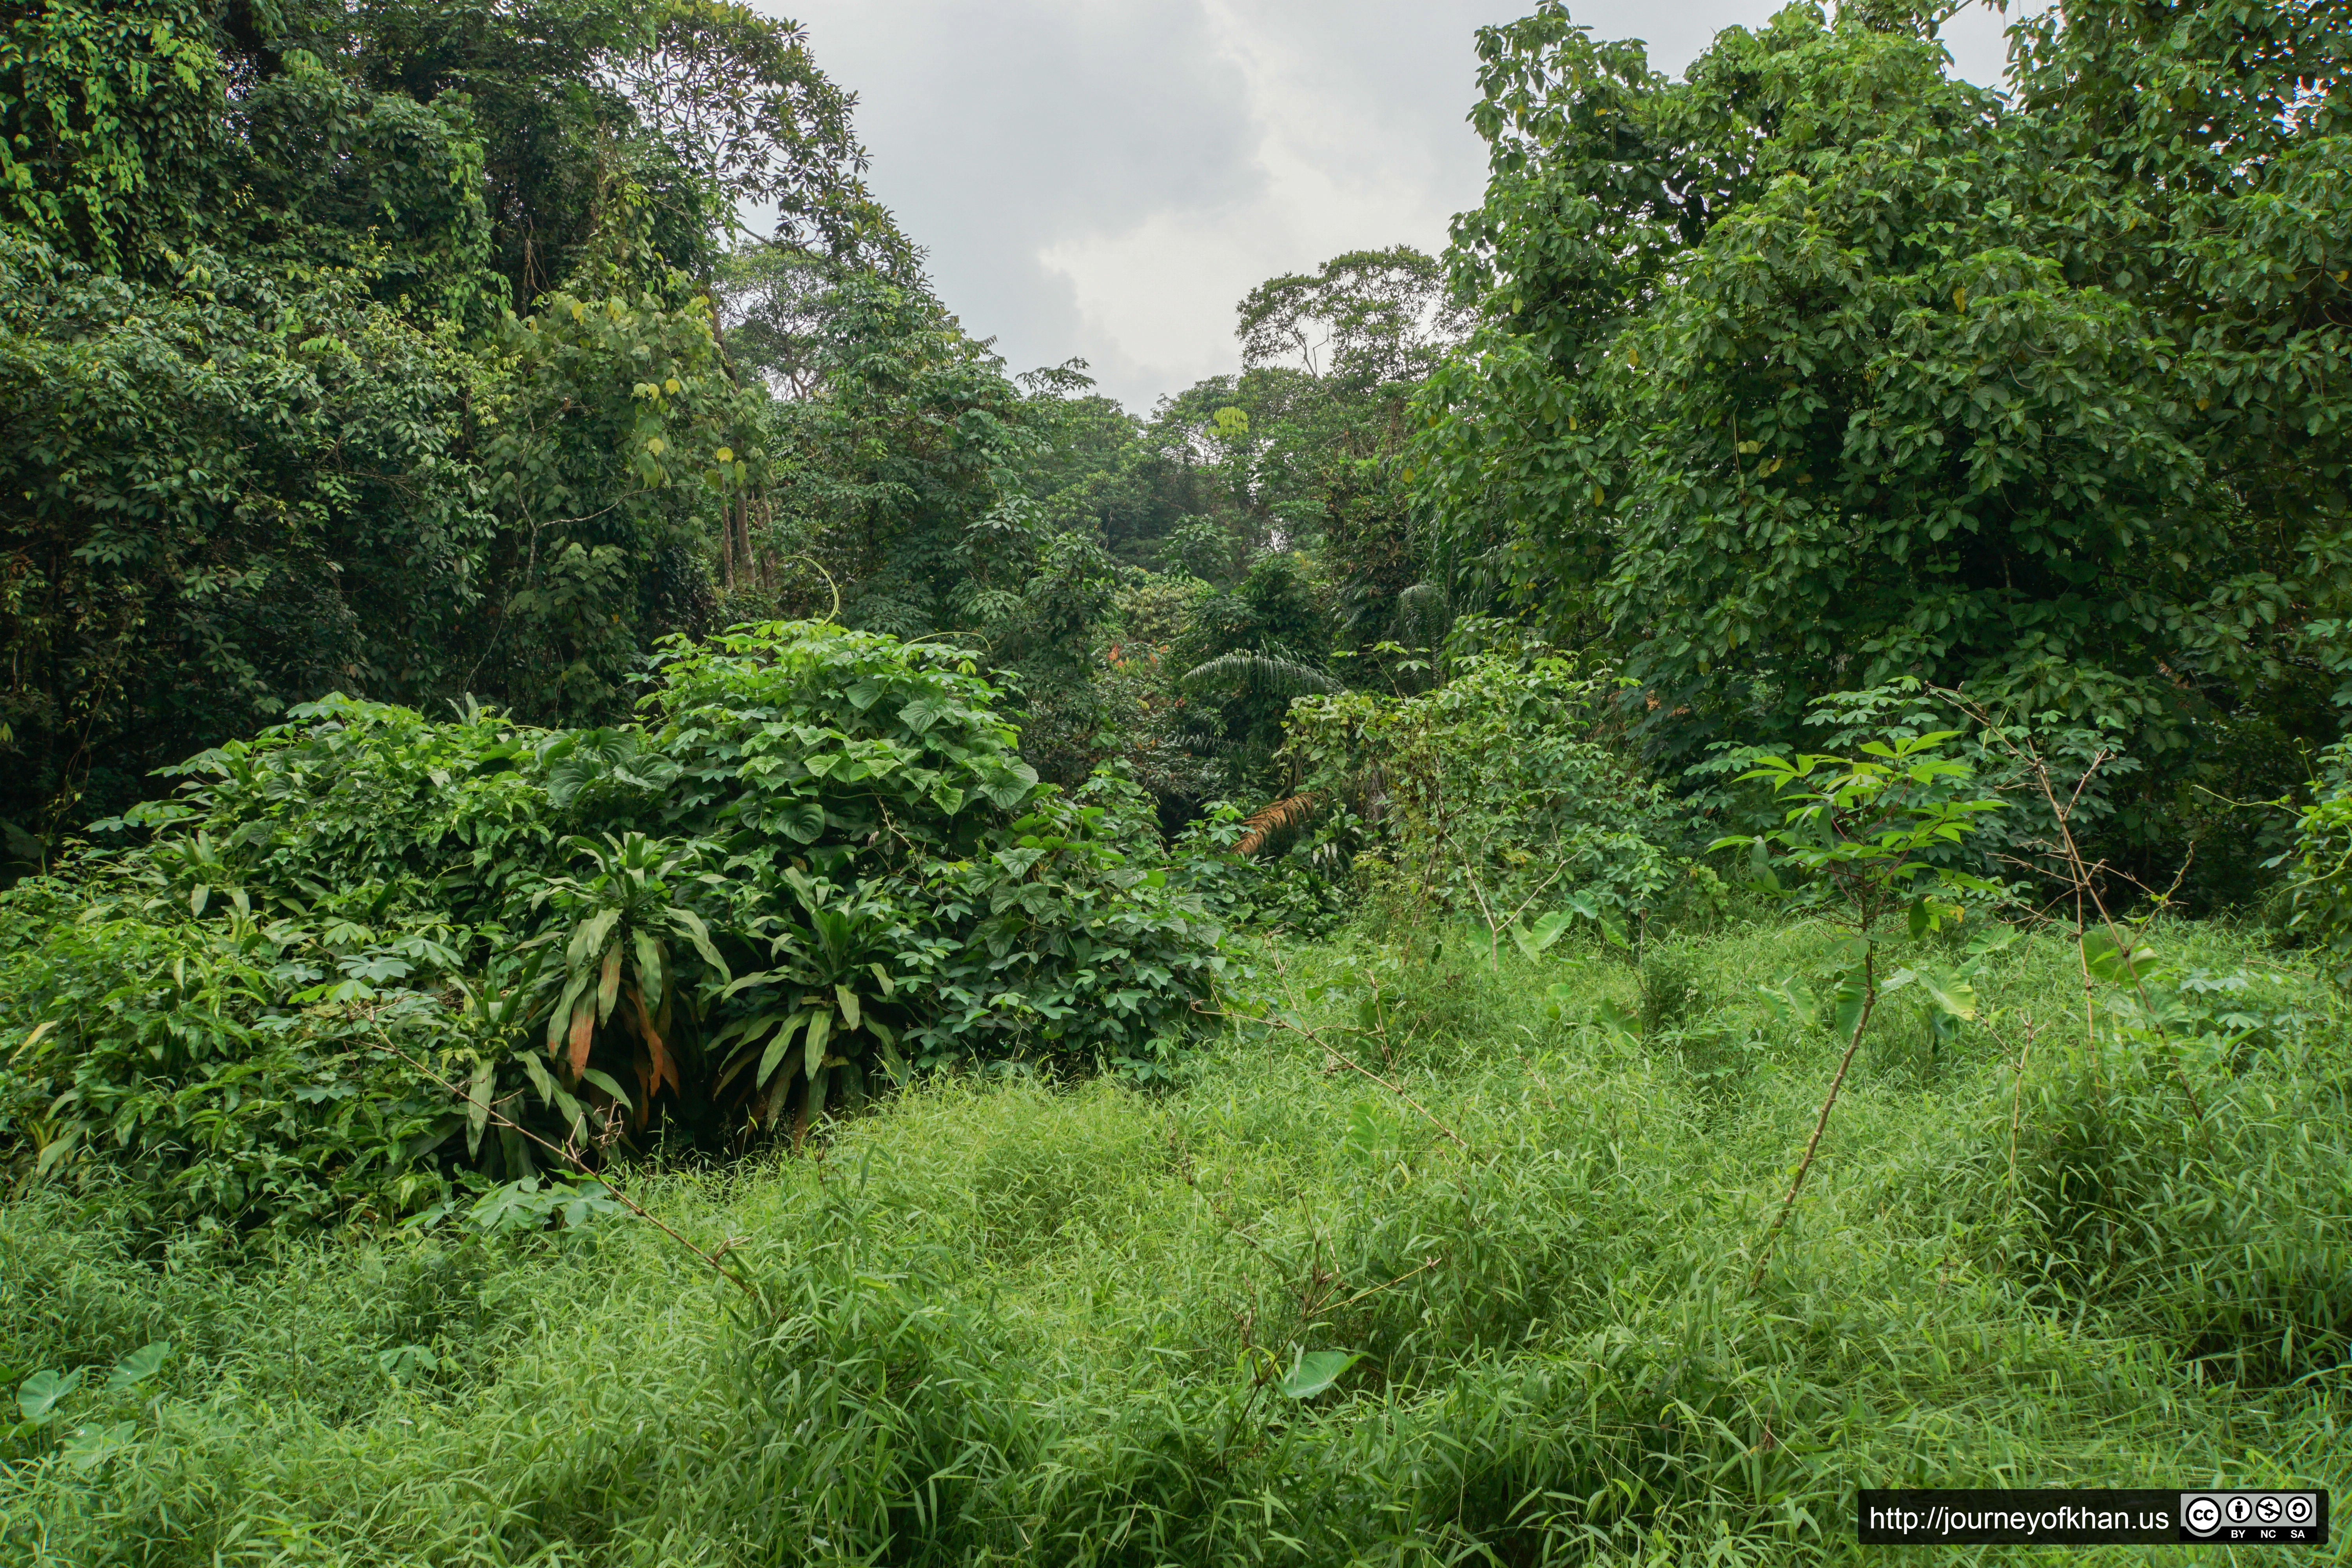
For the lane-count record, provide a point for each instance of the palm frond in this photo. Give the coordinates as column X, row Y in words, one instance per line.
column 1262, row 672
column 1276, row 817
column 1423, row 613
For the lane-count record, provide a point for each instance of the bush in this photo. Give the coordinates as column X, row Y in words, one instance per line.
column 2322, row 891
column 351, row 950
column 1500, row 789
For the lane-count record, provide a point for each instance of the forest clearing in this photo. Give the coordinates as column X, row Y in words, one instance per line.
column 1688, row 860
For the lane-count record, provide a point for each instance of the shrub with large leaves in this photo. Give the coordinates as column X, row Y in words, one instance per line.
column 819, row 865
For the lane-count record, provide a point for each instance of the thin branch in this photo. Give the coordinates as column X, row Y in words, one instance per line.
column 572, row 1159
column 1821, row 1123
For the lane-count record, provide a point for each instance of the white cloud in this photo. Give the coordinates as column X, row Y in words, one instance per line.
column 1106, row 178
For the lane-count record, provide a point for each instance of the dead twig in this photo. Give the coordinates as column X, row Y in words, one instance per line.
column 1820, row 1124
column 572, row 1158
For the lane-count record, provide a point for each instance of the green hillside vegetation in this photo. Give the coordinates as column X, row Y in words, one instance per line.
column 652, row 912
column 1017, row 1324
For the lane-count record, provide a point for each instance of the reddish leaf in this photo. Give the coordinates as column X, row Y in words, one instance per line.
column 584, row 1023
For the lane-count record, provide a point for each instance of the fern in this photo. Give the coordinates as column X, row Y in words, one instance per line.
column 1263, row 672
column 1422, row 614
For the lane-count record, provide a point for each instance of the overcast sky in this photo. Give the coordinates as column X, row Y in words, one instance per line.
column 1106, row 178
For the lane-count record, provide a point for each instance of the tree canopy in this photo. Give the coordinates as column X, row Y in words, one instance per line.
column 1817, row 367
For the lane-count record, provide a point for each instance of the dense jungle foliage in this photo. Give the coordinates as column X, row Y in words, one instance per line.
column 652, row 912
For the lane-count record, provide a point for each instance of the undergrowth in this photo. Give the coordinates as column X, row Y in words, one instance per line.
column 1006, row 1322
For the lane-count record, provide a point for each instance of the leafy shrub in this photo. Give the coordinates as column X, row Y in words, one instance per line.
column 1498, row 788
column 363, row 939
column 2322, row 892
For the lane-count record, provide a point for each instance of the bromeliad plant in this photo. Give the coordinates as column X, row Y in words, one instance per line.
column 616, row 929
column 1866, row 838
column 831, row 986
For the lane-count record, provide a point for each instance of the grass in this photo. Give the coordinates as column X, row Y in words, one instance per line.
column 1006, row 1322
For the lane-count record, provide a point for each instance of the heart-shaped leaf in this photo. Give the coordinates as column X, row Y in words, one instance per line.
column 1317, row 1371
column 37, row 1395
column 139, row 1366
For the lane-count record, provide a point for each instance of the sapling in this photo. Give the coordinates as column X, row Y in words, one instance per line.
column 1861, row 832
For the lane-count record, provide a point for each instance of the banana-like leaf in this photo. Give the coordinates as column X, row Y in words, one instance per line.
column 777, row 1046
column 584, row 1028
column 665, row 1065
column 477, row 1105
column 586, row 940
column 561, row 1019
column 608, row 982
column 540, row 1078
column 651, row 979
column 697, row 933
column 848, row 1000
column 819, row 1030
column 606, row 1082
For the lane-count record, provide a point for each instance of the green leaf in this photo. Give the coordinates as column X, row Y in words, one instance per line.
column 1533, row 939
column 1952, row 998
column 2116, row 965
column 1846, row 1004
column 650, row 979
column 925, row 711
column 139, row 1366
column 801, row 820
column 848, row 1000
column 403, row 1362
column 540, row 1079
column 37, row 1395
column 698, row 935
column 1789, row 1001
column 1317, row 1371
column 819, row 1030
column 1957, row 998
column 477, row 1105
column 605, row 1081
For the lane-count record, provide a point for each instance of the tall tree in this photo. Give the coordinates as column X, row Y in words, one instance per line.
column 366, row 347
column 1819, row 367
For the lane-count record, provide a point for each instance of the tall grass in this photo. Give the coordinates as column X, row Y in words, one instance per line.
column 1012, row 1323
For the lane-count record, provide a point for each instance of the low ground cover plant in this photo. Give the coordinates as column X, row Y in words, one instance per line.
column 1284, row 1315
